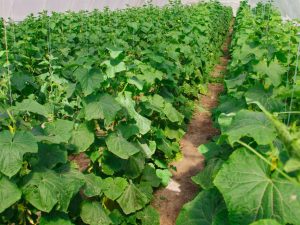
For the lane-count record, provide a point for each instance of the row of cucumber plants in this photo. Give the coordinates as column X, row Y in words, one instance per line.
column 252, row 173
column 92, row 106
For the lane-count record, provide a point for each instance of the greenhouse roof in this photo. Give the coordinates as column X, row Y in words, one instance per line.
column 17, row 10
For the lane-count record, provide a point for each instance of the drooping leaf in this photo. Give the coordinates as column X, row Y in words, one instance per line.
column 120, row 146
column 58, row 131
column 101, row 106
column 45, row 189
column 149, row 216
column 12, row 149
column 251, row 124
column 172, row 114
column 127, row 102
column 92, row 213
column 50, row 155
column 72, row 180
column 55, row 219
column 208, row 208
column 134, row 166
column 114, row 52
column 264, row 97
column 274, row 71
column 251, row 193
column 93, row 185
column 9, row 193
column 82, row 137
column 149, row 175
column 29, row 105
column 110, row 163
column 114, row 187
column 113, row 67
column 132, row 199
column 235, row 82
column 90, row 80
column 21, row 80
column 148, row 150
column 127, row 130
column 42, row 190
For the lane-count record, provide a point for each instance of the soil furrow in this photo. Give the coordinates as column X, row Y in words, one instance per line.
column 168, row 201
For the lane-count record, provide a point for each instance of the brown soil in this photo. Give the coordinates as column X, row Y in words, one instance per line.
column 168, row 201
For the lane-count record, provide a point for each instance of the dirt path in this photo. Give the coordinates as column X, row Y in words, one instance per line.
column 181, row 189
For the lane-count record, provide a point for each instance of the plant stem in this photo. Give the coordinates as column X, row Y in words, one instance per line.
column 267, row 161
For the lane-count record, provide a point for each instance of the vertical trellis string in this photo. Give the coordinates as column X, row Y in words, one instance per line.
column 288, row 70
column 7, row 62
column 295, row 83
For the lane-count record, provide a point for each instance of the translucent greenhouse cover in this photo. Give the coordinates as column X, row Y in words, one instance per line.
column 17, row 10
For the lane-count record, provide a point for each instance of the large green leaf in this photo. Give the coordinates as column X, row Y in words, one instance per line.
column 45, row 189
column 92, row 213
column 9, row 193
column 82, row 137
column 172, row 114
column 58, row 131
column 251, row 124
column 73, row 181
column 12, row 149
column 90, row 80
column 149, row 176
column 50, row 155
column 101, row 106
column 274, row 71
column 132, row 199
column 127, row 102
column 208, row 208
column 251, row 193
column 149, row 216
column 29, row 105
column 113, row 67
column 134, row 166
column 55, row 219
column 42, row 190
column 264, row 97
column 120, row 146
column 93, row 185
column 114, row 187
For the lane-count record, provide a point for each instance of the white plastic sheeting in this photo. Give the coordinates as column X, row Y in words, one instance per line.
column 17, row 10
